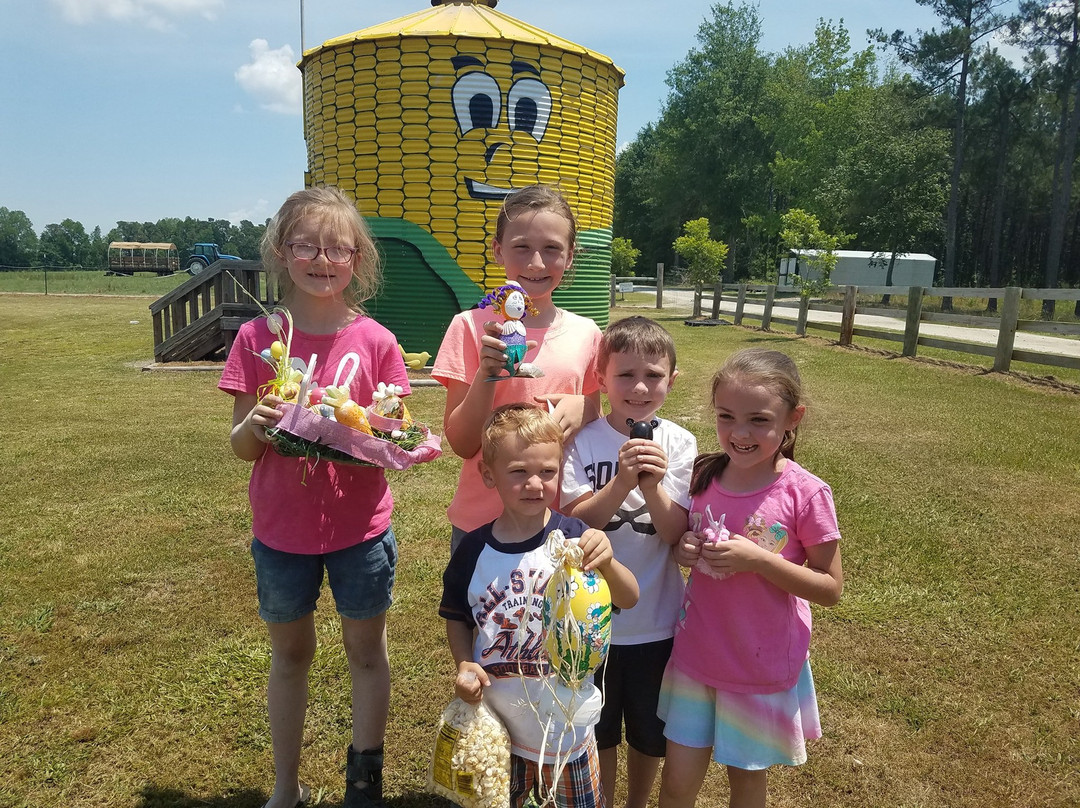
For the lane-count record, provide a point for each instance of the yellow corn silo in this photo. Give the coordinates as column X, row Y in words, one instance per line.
column 430, row 120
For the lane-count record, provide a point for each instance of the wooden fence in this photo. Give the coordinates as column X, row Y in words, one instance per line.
column 909, row 320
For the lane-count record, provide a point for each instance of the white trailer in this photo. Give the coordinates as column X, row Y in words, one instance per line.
column 862, row 268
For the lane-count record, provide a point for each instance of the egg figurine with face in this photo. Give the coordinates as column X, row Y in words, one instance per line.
column 511, row 301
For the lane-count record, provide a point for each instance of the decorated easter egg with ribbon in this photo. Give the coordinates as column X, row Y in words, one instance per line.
column 577, row 622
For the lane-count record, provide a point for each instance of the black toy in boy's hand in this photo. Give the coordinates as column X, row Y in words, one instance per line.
column 641, row 429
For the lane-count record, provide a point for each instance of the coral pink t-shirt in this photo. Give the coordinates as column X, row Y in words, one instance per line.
column 305, row 507
column 742, row 633
column 566, row 351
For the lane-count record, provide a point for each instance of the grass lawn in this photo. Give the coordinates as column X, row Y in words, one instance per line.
column 133, row 664
column 81, row 282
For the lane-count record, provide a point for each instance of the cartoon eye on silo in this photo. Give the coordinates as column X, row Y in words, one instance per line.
column 528, row 107
column 476, row 101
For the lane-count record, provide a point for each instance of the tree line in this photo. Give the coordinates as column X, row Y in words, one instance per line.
column 68, row 245
column 929, row 141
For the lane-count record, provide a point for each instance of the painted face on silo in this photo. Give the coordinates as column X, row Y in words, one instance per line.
column 436, row 130
column 505, row 121
column 504, row 101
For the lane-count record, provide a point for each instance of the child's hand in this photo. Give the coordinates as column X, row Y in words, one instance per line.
column 470, row 683
column 626, row 478
column 264, row 415
column 492, row 356
column 737, row 554
column 596, row 552
column 687, row 550
column 568, row 410
column 645, row 461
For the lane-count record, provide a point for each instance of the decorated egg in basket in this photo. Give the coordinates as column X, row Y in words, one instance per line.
column 577, row 622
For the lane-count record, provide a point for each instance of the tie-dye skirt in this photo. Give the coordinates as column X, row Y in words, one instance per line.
column 746, row 730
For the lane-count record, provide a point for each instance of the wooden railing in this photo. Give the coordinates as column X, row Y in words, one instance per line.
column 1006, row 324
column 200, row 317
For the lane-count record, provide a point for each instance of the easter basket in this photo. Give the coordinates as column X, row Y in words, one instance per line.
column 353, row 435
column 302, row 432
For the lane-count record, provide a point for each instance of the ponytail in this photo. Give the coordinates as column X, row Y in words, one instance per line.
column 787, row 445
column 707, row 467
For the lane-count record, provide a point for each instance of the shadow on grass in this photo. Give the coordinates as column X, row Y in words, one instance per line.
column 418, row 799
column 155, row 797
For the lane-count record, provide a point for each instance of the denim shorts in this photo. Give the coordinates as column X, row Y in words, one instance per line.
column 361, row 579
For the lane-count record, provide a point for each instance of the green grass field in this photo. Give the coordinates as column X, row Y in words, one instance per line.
column 86, row 282
column 133, row 664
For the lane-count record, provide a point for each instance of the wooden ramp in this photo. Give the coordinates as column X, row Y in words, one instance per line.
column 198, row 320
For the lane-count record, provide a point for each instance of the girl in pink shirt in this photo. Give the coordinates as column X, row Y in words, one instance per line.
column 764, row 545
column 311, row 518
column 535, row 236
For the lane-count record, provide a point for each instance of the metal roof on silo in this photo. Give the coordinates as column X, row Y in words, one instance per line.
column 464, row 19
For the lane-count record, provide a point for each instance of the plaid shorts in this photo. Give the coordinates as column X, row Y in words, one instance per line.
column 577, row 787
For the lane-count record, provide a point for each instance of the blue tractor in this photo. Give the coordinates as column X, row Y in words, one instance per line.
column 203, row 255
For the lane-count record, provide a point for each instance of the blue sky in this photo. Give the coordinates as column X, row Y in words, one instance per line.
column 137, row 110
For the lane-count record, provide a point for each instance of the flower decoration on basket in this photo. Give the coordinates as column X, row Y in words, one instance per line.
column 511, row 301
column 327, row 423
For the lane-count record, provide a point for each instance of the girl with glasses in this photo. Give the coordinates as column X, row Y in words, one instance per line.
column 311, row 518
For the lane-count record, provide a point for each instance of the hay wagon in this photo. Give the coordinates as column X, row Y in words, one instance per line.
column 129, row 257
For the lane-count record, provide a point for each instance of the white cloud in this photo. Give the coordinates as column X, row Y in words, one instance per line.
column 156, row 14
column 272, row 78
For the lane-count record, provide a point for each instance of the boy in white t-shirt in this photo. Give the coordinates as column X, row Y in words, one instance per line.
column 635, row 489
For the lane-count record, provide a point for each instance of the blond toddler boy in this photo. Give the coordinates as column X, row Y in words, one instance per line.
column 493, row 594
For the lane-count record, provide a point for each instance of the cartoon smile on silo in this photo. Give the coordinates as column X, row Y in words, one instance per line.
column 481, row 190
column 478, row 103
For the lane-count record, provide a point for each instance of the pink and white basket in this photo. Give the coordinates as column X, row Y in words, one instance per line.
column 365, row 449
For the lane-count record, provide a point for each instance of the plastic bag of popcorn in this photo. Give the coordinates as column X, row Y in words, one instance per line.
column 471, row 760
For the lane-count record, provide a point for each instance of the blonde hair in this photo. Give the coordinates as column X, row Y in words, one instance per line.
column 773, row 370
column 638, row 335
column 532, row 424
column 324, row 207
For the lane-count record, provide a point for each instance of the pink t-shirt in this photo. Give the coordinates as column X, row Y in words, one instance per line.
column 566, row 352
column 303, row 507
column 742, row 633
